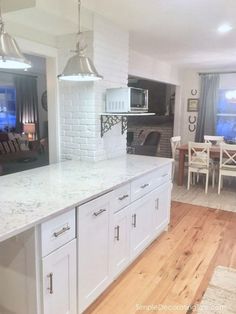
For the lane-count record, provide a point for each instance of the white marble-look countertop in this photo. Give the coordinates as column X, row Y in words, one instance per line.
column 30, row 197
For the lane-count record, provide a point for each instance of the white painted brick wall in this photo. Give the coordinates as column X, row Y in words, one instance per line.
column 82, row 103
column 111, row 56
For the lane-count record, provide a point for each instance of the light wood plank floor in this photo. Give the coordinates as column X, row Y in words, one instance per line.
column 176, row 268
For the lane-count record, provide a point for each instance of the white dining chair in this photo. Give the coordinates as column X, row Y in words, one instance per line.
column 214, row 140
column 227, row 163
column 175, row 142
column 199, row 162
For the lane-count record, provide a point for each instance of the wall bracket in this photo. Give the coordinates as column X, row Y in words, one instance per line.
column 110, row 120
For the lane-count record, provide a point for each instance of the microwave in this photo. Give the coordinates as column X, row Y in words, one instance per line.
column 127, row 100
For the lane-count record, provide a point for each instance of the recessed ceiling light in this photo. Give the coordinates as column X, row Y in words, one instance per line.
column 224, row 28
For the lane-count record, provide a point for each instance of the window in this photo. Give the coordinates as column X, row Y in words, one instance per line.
column 226, row 115
column 7, row 108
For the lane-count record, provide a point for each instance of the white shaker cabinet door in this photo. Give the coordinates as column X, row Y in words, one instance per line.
column 93, row 250
column 59, row 281
column 141, row 225
column 119, row 239
column 161, row 208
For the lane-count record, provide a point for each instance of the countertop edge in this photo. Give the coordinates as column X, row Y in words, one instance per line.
column 52, row 215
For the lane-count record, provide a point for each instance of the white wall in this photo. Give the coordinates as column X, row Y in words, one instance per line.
column 82, row 103
column 147, row 67
column 190, row 80
column 111, row 56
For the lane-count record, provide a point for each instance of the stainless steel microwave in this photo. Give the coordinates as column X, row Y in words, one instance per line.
column 127, row 99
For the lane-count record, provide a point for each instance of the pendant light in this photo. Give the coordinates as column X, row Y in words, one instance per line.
column 10, row 55
column 79, row 67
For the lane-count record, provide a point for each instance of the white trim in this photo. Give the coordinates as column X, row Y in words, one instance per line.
column 226, row 114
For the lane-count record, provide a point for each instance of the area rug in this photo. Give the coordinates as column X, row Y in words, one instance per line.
column 220, row 296
column 196, row 196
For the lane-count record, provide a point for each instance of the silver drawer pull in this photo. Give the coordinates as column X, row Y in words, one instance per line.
column 134, row 223
column 63, row 230
column 165, row 175
column 123, row 197
column 99, row 212
column 50, row 288
column 157, row 204
column 117, row 236
column 145, row 185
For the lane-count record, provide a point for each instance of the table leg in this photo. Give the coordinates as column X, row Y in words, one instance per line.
column 181, row 167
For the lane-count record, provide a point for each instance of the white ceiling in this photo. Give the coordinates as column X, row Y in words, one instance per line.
column 183, row 32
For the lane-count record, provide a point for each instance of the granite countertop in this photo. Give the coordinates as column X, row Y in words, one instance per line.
column 31, row 197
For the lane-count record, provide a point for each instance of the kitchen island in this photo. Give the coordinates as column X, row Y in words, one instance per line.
column 99, row 216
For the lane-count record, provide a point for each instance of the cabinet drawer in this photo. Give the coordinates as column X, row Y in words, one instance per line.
column 121, row 197
column 150, row 181
column 57, row 232
column 95, row 208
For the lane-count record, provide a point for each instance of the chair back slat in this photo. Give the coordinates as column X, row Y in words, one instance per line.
column 175, row 142
column 199, row 154
column 215, row 140
column 228, row 156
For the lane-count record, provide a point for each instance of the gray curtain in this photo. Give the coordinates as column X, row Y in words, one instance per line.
column 26, row 102
column 208, row 106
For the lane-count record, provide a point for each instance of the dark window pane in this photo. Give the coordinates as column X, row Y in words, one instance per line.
column 226, row 126
column 7, row 108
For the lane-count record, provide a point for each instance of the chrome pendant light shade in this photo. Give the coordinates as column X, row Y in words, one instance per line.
column 79, row 67
column 10, row 54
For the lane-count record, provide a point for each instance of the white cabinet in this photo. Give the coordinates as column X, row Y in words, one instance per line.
column 93, row 250
column 161, row 198
column 59, row 281
column 60, row 269
column 141, row 225
column 119, row 241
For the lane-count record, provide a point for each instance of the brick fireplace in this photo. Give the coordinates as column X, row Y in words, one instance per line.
column 163, row 125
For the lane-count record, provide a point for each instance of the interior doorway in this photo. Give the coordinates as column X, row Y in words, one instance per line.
column 150, row 135
column 24, row 118
column 48, row 128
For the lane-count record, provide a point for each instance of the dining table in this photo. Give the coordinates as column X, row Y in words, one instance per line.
column 183, row 152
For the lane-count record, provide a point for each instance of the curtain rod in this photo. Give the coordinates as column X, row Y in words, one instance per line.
column 225, row 72
column 20, row 74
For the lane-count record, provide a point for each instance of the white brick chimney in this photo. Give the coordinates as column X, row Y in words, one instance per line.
column 82, row 103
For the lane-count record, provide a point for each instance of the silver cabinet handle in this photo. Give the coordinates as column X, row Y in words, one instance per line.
column 144, row 186
column 134, row 223
column 50, row 288
column 164, row 175
column 63, row 230
column 157, row 204
column 117, row 236
column 123, row 197
column 99, row 212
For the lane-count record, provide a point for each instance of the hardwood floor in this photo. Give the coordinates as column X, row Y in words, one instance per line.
column 175, row 270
